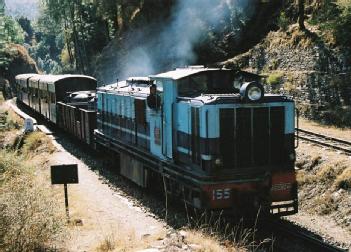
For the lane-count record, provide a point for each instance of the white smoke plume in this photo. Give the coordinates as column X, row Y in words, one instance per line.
column 157, row 47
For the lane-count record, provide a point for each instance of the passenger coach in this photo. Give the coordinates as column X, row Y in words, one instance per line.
column 22, row 87
column 43, row 92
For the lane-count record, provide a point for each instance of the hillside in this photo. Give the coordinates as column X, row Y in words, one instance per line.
column 201, row 32
column 303, row 65
column 26, row 8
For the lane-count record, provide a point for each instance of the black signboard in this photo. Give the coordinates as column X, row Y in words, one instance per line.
column 64, row 174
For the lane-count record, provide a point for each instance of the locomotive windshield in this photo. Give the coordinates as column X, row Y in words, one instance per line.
column 212, row 82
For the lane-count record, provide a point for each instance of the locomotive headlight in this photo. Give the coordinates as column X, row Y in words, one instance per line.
column 252, row 91
column 218, row 162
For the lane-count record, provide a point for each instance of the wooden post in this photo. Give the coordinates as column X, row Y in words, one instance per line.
column 66, row 201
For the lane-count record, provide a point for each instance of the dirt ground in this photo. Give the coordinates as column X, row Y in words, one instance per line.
column 332, row 131
column 324, row 205
column 104, row 218
column 100, row 213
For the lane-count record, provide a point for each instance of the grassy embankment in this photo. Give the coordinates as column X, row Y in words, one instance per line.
column 30, row 217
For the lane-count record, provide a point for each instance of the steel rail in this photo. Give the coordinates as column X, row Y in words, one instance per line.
column 327, row 141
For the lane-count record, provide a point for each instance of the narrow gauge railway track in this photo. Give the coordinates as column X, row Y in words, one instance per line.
column 327, row 141
column 297, row 236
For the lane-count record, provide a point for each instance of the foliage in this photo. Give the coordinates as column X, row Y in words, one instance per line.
column 27, row 28
column 274, row 79
column 13, row 31
column 29, row 216
column 10, row 32
column 335, row 17
column 336, row 115
column 283, row 21
column 344, row 179
column 78, row 30
column 48, row 44
column 36, row 142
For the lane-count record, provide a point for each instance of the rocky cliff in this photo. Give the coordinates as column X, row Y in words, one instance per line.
column 301, row 64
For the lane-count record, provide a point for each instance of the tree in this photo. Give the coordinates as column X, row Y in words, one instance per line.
column 3, row 59
column 301, row 4
column 27, row 27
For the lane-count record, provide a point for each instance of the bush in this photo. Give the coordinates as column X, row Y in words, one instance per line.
column 37, row 142
column 283, row 21
column 325, row 204
column 13, row 121
column 339, row 116
column 344, row 179
column 274, row 79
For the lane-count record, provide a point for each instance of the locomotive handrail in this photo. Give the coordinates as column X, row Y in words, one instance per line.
column 189, row 99
column 297, row 128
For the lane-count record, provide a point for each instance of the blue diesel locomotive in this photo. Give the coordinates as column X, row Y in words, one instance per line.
column 204, row 137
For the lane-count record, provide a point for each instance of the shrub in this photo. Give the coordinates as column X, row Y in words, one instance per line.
column 283, row 21
column 12, row 120
column 327, row 173
column 344, row 179
column 325, row 204
column 274, row 79
column 37, row 142
column 303, row 178
column 339, row 116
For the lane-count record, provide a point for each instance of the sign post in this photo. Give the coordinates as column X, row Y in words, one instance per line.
column 66, row 200
column 64, row 174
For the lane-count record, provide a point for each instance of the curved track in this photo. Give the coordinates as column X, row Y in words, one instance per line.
column 327, row 141
column 300, row 237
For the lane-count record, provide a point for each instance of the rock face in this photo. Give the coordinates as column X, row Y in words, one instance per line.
column 316, row 75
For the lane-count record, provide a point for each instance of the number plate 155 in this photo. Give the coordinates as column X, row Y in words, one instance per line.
column 221, row 194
